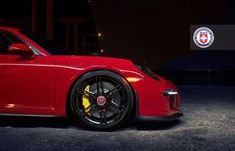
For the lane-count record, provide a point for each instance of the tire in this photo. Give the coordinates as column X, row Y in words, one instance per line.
column 101, row 100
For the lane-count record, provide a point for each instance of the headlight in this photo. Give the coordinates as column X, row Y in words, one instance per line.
column 146, row 70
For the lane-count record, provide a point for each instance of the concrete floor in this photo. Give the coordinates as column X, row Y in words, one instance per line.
column 208, row 125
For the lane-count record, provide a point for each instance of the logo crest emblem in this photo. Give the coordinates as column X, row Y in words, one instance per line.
column 203, row 37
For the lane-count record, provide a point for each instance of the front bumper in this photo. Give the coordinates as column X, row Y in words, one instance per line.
column 173, row 114
column 172, row 94
column 171, row 117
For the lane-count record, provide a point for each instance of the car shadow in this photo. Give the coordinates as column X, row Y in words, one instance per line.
column 61, row 122
column 152, row 125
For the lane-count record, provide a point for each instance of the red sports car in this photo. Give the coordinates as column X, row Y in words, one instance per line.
column 37, row 79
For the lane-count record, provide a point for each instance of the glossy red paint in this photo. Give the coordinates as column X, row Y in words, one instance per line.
column 21, row 49
column 19, row 46
column 41, row 85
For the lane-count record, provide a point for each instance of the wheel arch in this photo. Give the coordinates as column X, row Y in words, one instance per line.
column 68, row 110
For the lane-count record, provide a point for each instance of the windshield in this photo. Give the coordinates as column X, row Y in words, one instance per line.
column 46, row 44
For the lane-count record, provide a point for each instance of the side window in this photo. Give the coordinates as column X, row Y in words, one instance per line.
column 7, row 39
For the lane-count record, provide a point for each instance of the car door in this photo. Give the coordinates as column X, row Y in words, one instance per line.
column 26, row 86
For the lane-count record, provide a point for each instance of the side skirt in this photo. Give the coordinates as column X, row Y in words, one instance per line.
column 29, row 115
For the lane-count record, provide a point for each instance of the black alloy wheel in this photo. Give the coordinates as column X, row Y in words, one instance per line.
column 101, row 100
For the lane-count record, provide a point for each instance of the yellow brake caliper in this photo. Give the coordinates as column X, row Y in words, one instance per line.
column 85, row 101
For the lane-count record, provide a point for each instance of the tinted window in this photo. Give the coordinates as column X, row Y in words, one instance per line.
column 45, row 43
column 7, row 39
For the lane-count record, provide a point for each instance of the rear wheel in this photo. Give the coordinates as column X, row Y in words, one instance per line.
column 101, row 100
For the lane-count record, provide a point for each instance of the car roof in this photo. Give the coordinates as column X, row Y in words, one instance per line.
column 8, row 28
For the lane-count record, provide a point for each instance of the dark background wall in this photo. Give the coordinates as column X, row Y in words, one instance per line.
column 64, row 16
column 154, row 31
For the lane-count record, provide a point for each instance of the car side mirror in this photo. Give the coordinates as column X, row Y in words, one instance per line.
column 21, row 49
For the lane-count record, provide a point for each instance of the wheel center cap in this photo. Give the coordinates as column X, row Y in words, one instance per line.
column 101, row 100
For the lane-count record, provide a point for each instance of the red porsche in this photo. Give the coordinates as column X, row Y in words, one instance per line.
column 37, row 79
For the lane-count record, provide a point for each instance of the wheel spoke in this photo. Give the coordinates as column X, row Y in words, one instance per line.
column 112, row 92
column 89, row 107
column 103, row 118
column 116, row 106
column 93, row 109
column 97, row 84
column 114, row 109
column 101, row 86
column 123, row 110
column 87, row 94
